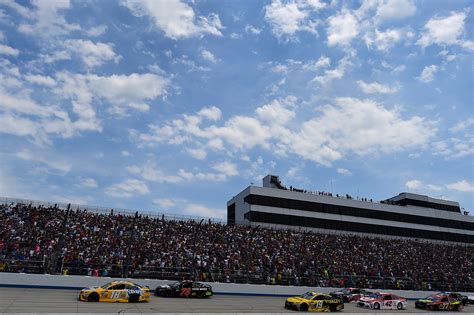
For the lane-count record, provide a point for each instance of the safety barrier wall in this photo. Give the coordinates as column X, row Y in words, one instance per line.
column 79, row 282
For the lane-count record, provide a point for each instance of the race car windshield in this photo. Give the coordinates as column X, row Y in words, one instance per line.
column 105, row 286
column 375, row 296
column 307, row 295
column 176, row 284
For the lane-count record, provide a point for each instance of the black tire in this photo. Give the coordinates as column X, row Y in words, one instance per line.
column 376, row 306
column 332, row 308
column 134, row 298
column 459, row 308
column 399, row 306
column 93, row 297
column 304, row 307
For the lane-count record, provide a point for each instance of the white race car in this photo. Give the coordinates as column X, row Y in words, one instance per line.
column 383, row 301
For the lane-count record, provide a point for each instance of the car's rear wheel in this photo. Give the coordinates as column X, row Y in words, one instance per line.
column 376, row 306
column 93, row 297
column 399, row 306
column 304, row 307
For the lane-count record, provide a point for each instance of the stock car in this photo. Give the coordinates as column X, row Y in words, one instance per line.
column 383, row 301
column 439, row 302
column 116, row 291
column 350, row 294
column 470, row 299
column 458, row 296
column 186, row 288
column 314, row 302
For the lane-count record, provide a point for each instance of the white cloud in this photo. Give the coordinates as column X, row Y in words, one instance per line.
column 342, row 28
column 92, row 54
column 376, row 88
column 278, row 111
column 89, row 183
column 203, row 211
column 50, row 161
column 199, row 154
column 7, row 50
column 207, row 55
column 40, row 80
column 443, row 30
column 97, row 30
column 127, row 189
column 455, row 147
column 395, row 9
column 333, row 74
column 413, row 184
column 434, row 187
column 462, row 125
column 385, row 40
column 252, row 30
column 427, row 75
column 125, row 153
column 175, row 18
column 47, row 19
column 344, row 171
column 358, row 126
column 226, row 168
column 287, row 18
column 463, row 186
column 315, row 65
column 128, row 90
column 165, row 202
column 349, row 126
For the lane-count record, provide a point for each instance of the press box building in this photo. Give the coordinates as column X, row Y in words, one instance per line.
column 406, row 215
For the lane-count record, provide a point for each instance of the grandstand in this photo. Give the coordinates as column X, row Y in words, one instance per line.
column 36, row 238
column 406, row 215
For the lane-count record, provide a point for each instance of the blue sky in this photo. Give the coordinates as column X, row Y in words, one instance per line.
column 175, row 106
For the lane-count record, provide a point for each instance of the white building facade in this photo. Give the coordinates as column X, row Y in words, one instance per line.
column 406, row 215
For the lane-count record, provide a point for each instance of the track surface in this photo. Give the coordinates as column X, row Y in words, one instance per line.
column 25, row 300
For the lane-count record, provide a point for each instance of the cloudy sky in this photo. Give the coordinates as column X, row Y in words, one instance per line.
column 175, row 106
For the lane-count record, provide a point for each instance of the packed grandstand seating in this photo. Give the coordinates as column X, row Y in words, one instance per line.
column 52, row 240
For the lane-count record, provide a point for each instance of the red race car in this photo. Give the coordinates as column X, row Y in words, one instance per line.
column 383, row 301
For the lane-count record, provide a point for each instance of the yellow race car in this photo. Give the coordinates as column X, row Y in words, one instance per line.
column 116, row 291
column 314, row 302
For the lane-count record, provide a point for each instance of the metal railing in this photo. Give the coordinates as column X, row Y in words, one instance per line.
column 239, row 276
column 107, row 210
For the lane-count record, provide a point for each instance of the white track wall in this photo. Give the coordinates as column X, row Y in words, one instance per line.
column 79, row 282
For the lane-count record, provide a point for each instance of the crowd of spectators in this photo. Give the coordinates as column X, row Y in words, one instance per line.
column 83, row 242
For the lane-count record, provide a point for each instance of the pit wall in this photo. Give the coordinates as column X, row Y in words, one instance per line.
column 21, row 280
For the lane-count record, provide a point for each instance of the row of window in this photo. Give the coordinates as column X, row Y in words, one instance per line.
column 231, row 214
column 427, row 204
column 273, row 218
column 356, row 212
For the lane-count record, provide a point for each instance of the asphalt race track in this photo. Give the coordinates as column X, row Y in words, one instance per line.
column 27, row 300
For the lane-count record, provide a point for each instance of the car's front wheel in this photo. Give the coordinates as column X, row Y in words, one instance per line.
column 304, row 307
column 133, row 298
column 399, row 306
column 93, row 297
column 376, row 306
